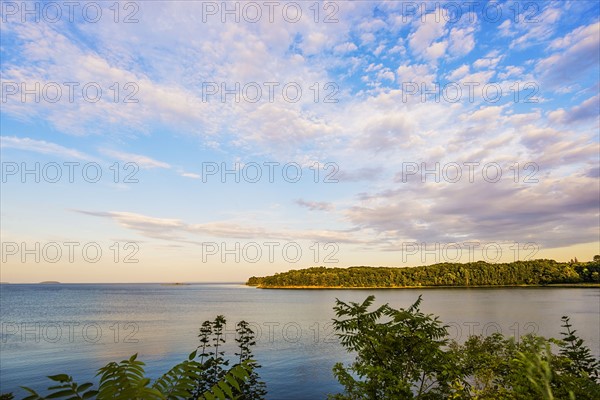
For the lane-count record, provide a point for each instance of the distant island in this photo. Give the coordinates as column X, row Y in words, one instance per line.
column 175, row 284
column 476, row 274
column 49, row 283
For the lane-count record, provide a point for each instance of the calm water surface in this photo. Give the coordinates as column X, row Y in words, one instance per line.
column 76, row 329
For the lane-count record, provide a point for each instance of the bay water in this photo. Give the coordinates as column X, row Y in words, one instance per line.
column 48, row 329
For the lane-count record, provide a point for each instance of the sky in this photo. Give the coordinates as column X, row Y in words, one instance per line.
column 192, row 141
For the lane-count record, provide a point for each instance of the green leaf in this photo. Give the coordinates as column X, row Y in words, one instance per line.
column 225, row 388
column 62, row 393
column 232, row 381
column 90, row 395
column 239, row 372
column 84, row 387
column 209, row 396
column 60, row 378
column 220, row 395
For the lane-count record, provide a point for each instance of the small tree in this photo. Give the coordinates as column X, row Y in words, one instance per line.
column 213, row 362
column 582, row 364
column 399, row 353
column 204, row 379
column 252, row 388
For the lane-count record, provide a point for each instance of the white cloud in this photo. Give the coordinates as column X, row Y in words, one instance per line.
column 530, row 32
column 367, row 38
column 179, row 231
column 506, row 29
column 379, row 50
column 418, row 73
column 141, row 160
column 423, row 41
column 315, row 205
column 386, row 74
column 488, row 114
column 578, row 51
column 436, row 50
column 465, row 211
column 459, row 72
column 491, row 60
column 589, row 109
column 462, row 41
column 511, row 71
column 346, row 47
column 42, row 146
column 314, row 43
column 481, row 78
column 190, row 175
column 374, row 67
column 372, row 25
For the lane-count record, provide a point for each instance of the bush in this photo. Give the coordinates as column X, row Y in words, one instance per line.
column 405, row 354
column 204, row 375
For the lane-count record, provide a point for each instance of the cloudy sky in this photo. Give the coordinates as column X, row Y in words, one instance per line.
column 152, row 141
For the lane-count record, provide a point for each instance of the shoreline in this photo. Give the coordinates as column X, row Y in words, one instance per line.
column 557, row 285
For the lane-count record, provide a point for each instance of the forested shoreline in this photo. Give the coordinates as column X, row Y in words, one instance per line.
column 476, row 274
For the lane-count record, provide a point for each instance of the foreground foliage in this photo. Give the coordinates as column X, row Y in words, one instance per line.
column 406, row 354
column 534, row 272
column 400, row 354
column 204, row 375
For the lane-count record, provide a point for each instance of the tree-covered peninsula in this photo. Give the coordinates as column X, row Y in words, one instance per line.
column 480, row 273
